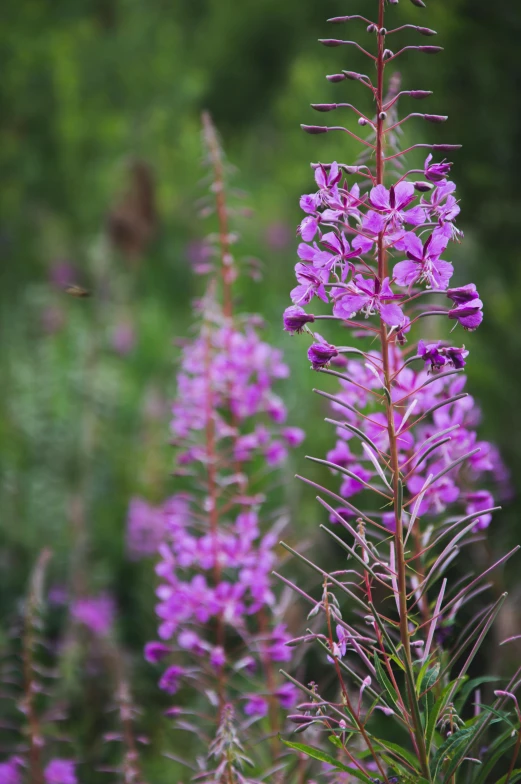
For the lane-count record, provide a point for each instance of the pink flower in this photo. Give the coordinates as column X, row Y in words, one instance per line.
column 60, row 771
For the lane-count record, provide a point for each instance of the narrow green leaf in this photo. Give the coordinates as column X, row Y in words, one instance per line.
column 405, row 755
column 450, row 747
column 384, row 681
column 514, row 776
column 321, row 756
column 471, row 685
column 506, row 742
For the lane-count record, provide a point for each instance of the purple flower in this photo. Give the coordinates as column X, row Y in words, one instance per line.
column 10, row 771
column 352, row 486
column 217, row 657
column 155, row 651
column 389, row 520
column 392, row 203
column 477, row 502
column 311, row 284
column 293, row 436
column 275, row 453
column 436, row 172
column 169, row 681
column 278, row 650
column 145, row 528
column 321, row 354
column 288, row 695
column 424, row 261
column 337, row 253
column 327, row 177
column 95, row 612
column 256, row 705
column 369, row 296
column 469, row 307
column 438, row 356
column 296, row 318
column 437, row 496
column 60, row 771
column 309, row 227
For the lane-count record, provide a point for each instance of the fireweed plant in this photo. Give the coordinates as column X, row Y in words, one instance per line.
column 375, row 242
column 35, row 746
column 220, row 630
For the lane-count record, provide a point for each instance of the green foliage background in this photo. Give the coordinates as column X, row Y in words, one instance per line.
column 89, row 85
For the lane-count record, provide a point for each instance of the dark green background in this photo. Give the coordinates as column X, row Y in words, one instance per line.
column 86, row 87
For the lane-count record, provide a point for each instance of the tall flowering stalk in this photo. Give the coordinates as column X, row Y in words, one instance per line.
column 219, row 624
column 39, row 752
column 375, row 241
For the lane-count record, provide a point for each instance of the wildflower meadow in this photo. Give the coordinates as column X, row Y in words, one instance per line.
column 259, row 430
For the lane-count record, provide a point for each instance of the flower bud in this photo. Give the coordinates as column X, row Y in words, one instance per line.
column 387, row 54
column 295, row 318
column 430, row 49
column 436, row 118
column 362, row 121
column 446, row 147
column 420, row 94
column 372, row 28
column 419, row 3
column 423, row 187
column 314, row 129
column 323, row 107
column 321, row 354
column 330, row 41
column 426, row 31
column 382, row 31
column 353, row 75
column 382, row 116
column 298, row 719
column 336, row 77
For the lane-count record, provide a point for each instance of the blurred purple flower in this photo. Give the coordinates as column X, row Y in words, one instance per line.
column 60, row 771
column 256, row 705
column 123, row 338
column 97, row 613
column 10, row 772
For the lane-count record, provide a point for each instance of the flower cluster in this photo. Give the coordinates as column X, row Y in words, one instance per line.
column 342, row 231
column 346, row 233
column 433, row 433
column 220, row 626
column 375, row 258
column 215, row 566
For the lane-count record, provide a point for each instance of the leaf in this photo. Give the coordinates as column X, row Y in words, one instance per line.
column 427, row 677
column 321, row 756
column 335, row 741
column 431, row 677
column 473, row 684
column 506, row 741
column 427, row 703
column 461, row 750
column 384, row 681
column 501, row 715
column 454, row 742
column 514, row 776
column 406, row 756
